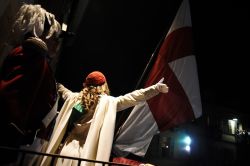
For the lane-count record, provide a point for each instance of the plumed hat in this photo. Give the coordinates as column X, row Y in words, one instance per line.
column 95, row 78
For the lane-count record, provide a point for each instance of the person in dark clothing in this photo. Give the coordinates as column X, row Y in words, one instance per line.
column 27, row 83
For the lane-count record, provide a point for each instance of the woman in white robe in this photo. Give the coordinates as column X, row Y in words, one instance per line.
column 85, row 125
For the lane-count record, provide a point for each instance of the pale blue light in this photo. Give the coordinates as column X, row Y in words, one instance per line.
column 187, row 140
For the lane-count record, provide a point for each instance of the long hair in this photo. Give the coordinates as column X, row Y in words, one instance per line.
column 91, row 94
column 35, row 20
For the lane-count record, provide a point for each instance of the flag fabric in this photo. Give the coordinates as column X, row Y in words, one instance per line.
column 177, row 64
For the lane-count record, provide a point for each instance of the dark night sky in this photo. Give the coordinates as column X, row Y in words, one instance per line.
column 118, row 38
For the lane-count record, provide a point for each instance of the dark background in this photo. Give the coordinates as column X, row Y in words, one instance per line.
column 119, row 37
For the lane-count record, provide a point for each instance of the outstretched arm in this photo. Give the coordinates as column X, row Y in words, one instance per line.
column 137, row 96
column 63, row 91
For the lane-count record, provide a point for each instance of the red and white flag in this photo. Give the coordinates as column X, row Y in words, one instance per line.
column 177, row 64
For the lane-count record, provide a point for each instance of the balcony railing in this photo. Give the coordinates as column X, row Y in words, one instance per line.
column 22, row 153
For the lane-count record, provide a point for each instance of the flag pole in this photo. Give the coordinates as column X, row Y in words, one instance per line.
column 152, row 57
column 149, row 62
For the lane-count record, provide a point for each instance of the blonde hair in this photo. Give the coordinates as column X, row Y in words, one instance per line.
column 31, row 19
column 91, row 94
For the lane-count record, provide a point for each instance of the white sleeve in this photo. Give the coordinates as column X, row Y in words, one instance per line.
column 137, row 96
column 63, row 91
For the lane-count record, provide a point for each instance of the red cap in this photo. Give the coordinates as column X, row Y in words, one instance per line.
column 95, row 78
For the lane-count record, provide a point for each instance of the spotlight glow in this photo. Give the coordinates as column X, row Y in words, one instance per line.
column 187, row 140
